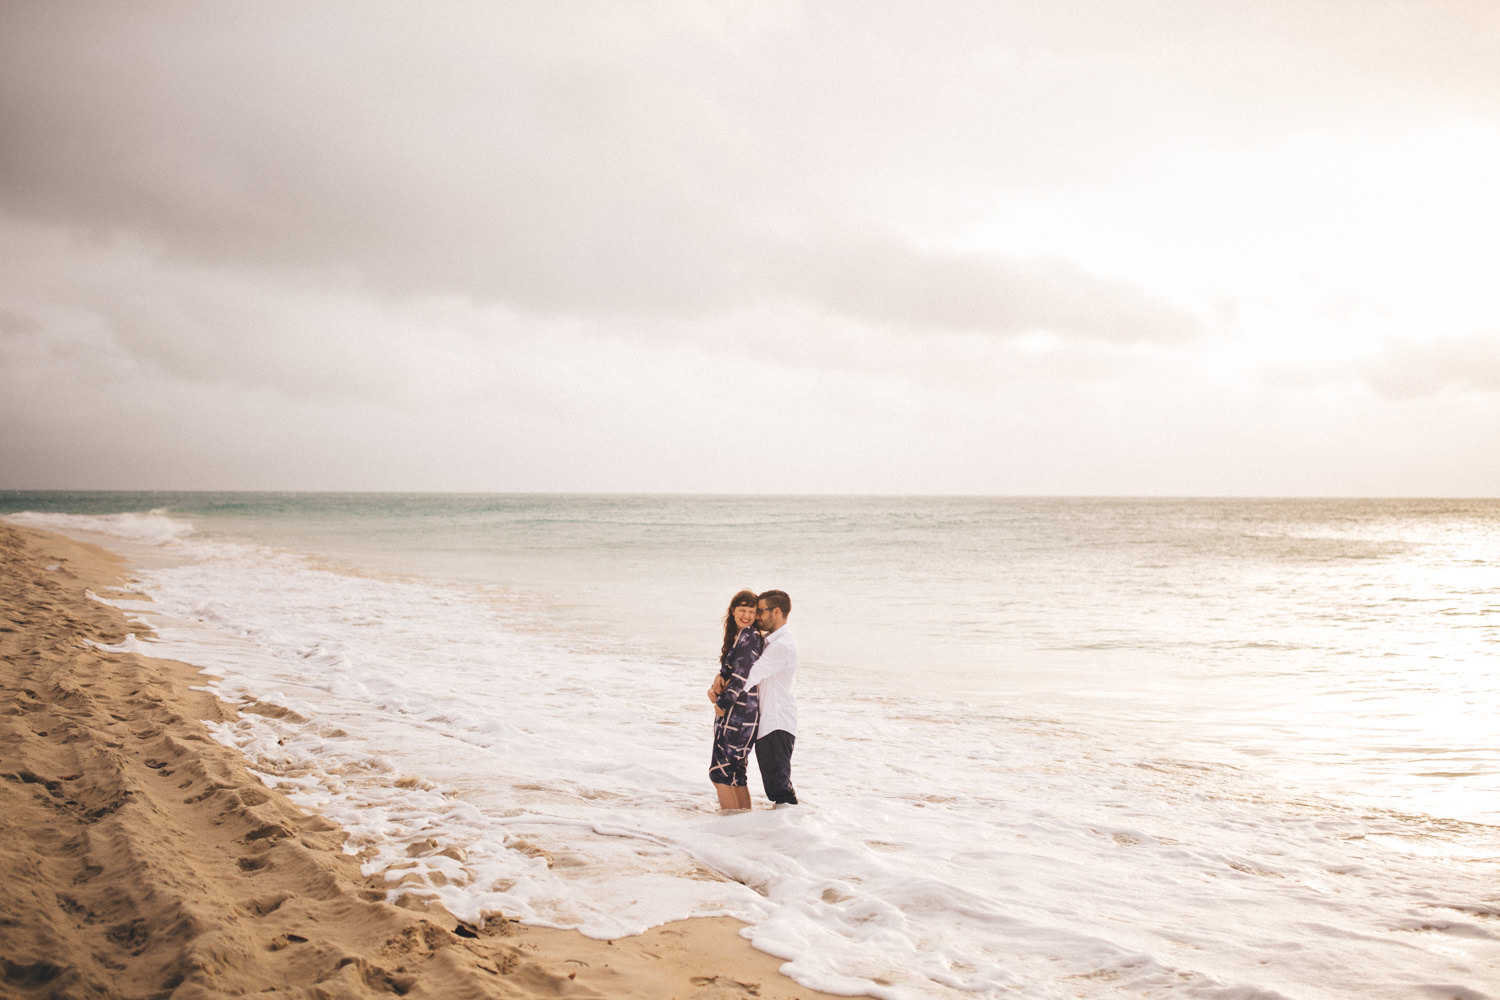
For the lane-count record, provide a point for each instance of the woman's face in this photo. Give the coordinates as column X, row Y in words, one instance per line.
column 744, row 616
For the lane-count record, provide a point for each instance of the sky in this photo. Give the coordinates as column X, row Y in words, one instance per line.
column 1097, row 247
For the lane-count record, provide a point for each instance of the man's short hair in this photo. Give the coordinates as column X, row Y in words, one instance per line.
column 777, row 599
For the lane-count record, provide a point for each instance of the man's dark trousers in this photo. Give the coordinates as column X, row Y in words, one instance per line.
column 773, row 752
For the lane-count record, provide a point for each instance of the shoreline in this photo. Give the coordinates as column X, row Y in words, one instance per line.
column 143, row 859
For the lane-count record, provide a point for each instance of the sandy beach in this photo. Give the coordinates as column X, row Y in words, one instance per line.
column 141, row 859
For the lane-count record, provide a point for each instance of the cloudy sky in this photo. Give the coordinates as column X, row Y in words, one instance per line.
column 1006, row 246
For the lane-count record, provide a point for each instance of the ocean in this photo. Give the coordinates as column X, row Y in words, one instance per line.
column 1049, row 747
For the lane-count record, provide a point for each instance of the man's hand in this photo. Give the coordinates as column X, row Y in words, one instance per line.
column 716, row 689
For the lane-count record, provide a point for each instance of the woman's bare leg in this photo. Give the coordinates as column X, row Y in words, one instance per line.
column 727, row 797
column 741, row 796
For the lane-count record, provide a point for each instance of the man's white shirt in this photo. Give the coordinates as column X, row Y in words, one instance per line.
column 773, row 673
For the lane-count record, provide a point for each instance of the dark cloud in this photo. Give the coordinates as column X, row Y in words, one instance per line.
column 15, row 324
column 493, row 154
column 675, row 160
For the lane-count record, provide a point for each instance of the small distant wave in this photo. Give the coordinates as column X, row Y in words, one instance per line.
column 155, row 527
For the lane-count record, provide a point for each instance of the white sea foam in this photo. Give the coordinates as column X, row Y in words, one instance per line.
column 155, row 528
column 943, row 849
column 129, row 644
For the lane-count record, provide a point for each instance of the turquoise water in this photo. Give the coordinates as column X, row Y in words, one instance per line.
column 1343, row 634
column 1051, row 747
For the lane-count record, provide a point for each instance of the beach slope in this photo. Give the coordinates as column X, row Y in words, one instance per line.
column 141, row 858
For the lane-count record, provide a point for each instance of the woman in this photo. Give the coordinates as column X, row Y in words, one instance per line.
column 734, row 728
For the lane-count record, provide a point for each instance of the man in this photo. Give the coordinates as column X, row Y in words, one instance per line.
column 772, row 674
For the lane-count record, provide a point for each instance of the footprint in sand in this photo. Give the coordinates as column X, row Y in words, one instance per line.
column 726, row 987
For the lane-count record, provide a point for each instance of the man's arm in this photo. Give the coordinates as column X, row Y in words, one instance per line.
column 778, row 657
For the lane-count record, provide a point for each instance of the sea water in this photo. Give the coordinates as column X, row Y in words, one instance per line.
column 1048, row 747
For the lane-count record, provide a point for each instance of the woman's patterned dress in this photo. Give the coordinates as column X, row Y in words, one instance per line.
column 734, row 731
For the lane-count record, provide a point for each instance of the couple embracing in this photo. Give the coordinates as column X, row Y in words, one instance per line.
column 753, row 699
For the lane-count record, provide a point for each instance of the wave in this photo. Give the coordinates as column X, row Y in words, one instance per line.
column 156, row 527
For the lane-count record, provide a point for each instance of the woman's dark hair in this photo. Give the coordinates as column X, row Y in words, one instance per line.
column 744, row 599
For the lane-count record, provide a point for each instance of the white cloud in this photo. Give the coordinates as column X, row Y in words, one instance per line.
column 1150, row 247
